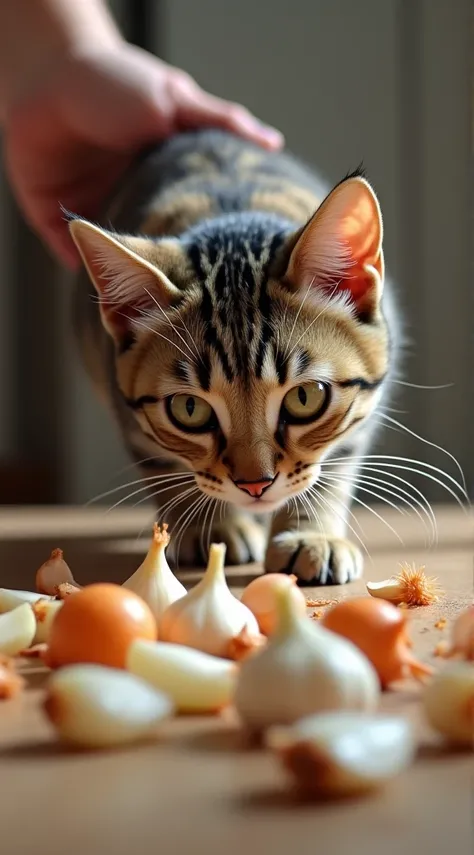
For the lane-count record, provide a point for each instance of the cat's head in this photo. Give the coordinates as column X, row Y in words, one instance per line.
column 247, row 349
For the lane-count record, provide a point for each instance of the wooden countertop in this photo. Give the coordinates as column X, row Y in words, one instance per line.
column 200, row 790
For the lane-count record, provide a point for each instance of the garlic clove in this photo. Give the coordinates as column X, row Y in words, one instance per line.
column 53, row 572
column 389, row 589
column 344, row 753
column 303, row 669
column 259, row 597
column 17, row 630
column 209, row 616
column 154, row 580
column 448, row 702
column 10, row 598
column 410, row 587
column 97, row 707
column 196, row 681
column 45, row 610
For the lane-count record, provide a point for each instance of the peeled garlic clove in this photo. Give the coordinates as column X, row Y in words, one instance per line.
column 45, row 610
column 195, row 681
column 17, row 630
column 209, row 616
column 98, row 707
column 259, row 597
column 154, row 580
column 448, row 702
column 10, row 598
column 303, row 669
column 410, row 586
column 389, row 589
column 344, row 753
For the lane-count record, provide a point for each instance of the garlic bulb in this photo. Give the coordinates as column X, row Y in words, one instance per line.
column 53, row 572
column 154, row 581
column 17, row 630
column 304, row 669
column 448, row 702
column 195, row 681
column 209, row 616
column 344, row 753
column 97, row 707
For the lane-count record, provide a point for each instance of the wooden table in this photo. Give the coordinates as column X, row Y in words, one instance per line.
column 200, row 790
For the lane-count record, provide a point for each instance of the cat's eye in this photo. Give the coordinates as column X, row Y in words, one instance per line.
column 188, row 412
column 305, row 403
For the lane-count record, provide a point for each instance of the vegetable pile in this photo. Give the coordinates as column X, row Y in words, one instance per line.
column 124, row 659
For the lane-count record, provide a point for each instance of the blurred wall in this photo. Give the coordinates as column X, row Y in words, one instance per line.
column 388, row 83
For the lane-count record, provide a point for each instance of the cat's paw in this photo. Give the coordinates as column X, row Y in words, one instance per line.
column 244, row 538
column 314, row 558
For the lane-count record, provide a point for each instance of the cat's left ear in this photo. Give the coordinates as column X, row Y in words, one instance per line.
column 341, row 247
column 128, row 284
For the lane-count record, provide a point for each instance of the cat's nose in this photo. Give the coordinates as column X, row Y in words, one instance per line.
column 255, row 489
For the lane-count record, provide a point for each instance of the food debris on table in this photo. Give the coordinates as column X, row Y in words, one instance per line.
column 441, row 623
column 317, row 604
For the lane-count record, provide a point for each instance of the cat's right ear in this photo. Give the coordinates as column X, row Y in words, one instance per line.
column 340, row 249
column 127, row 284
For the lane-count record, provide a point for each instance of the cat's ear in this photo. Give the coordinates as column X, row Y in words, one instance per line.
column 341, row 247
column 127, row 284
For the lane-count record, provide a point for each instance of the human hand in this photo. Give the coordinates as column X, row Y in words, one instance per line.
column 69, row 140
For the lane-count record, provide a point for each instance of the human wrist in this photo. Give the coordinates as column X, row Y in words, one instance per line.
column 41, row 38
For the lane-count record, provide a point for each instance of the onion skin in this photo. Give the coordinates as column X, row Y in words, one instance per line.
column 379, row 629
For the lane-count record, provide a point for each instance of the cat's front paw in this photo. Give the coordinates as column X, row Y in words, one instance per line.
column 244, row 538
column 314, row 558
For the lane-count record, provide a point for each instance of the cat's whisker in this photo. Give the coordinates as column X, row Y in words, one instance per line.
column 410, row 432
column 324, row 309
column 417, row 386
column 322, row 499
column 157, row 493
column 377, row 495
column 396, row 492
column 196, row 508
column 157, row 479
column 142, row 489
column 203, row 529
column 365, row 460
column 154, row 332
column 211, row 523
column 172, row 325
column 172, row 503
column 419, row 472
column 300, row 307
column 379, row 516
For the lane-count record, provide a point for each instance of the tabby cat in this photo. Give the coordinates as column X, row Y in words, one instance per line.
column 243, row 332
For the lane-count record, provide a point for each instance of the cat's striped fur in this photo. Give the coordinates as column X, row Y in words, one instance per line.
column 215, row 281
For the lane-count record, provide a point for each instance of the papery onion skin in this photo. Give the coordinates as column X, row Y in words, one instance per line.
column 97, row 625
